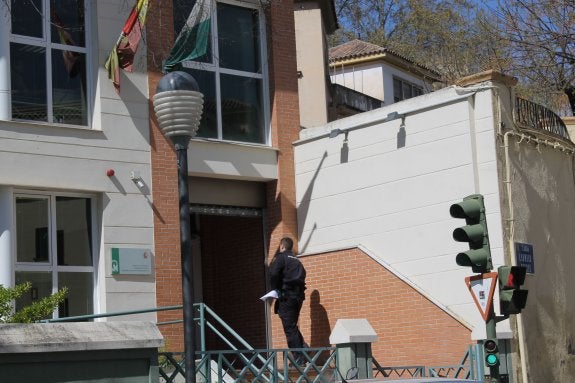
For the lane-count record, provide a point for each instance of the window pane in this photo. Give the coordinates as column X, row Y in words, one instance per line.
column 41, row 287
column 69, row 87
column 181, row 11
column 207, row 83
column 67, row 18
column 74, row 218
column 32, row 234
column 27, row 18
column 241, row 112
column 397, row 90
column 238, row 38
column 79, row 299
column 28, row 79
column 406, row 91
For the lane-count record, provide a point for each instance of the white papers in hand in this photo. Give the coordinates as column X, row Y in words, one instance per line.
column 272, row 294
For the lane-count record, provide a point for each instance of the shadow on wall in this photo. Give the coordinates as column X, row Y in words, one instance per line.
column 303, row 207
column 320, row 328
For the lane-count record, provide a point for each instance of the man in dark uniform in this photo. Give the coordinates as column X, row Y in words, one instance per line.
column 287, row 276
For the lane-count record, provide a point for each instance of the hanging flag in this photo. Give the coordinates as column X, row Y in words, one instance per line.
column 122, row 55
column 193, row 40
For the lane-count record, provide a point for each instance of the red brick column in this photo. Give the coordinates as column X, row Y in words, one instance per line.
column 159, row 38
column 281, row 203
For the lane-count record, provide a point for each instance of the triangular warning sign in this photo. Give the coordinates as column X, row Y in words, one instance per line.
column 482, row 288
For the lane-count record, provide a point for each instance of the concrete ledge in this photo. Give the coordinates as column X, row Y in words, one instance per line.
column 60, row 337
column 352, row 331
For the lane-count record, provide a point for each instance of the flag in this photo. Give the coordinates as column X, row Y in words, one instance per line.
column 192, row 41
column 122, row 55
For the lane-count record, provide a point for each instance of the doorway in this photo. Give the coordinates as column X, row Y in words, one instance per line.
column 233, row 276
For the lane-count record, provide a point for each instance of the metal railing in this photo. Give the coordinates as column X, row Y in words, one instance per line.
column 470, row 367
column 533, row 116
column 263, row 365
column 242, row 363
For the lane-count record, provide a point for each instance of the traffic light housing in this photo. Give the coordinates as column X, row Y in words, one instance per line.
column 491, row 352
column 472, row 209
column 512, row 298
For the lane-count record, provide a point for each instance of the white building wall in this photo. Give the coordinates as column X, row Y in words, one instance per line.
column 542, row 197
column 70, row 159
column 364, row 78
column 393, row 194
column 373, row 78
column 312, row 64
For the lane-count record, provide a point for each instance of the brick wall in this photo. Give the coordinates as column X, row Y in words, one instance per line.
column 281, row 204
column 285, row 114
column 411, row 330
column 159, row 36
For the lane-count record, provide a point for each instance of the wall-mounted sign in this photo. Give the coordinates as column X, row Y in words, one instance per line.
column 131, row 261
column 524, row 256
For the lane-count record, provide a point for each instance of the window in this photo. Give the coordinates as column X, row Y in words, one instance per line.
column 48, row 61
column 402, row 90
column 231, row 73
column 54, row 249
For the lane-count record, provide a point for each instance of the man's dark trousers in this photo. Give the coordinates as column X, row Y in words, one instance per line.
column 289, row 307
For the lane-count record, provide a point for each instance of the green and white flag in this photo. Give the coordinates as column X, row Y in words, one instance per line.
column 193, row 40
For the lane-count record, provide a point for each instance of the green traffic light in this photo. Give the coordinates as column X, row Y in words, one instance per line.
column 491, row 350
column 478, row 257
column 491, row 360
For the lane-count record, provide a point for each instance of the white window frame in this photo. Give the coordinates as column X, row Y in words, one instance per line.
column 52, row 264
column 215, row 68
column 47, row 44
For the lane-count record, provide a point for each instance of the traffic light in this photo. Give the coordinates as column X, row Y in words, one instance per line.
column 511, row 298
column 491, row 352
column 474, row 232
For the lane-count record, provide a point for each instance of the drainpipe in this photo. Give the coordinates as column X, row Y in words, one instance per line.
column 5, row 101
column 6, row 231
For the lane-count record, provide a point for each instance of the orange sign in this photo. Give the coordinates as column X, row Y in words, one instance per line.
column 482, row 287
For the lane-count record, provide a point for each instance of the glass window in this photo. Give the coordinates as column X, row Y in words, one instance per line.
column 54, row 247
column 402, row 90
column 231, row 78
column 48, row 73
column 41, row 286
column 238, row 38
column 33, row 243
column 74, row 231
column 79, row 299
column 241, row 113
column 26, row 18
column 209, row 123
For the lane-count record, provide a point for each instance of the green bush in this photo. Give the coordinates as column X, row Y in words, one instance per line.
column 40, row 309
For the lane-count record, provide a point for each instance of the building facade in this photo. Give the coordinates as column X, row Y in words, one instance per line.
column 71, row 150
column 403, row 166
column 242, row 191
column 379, row 72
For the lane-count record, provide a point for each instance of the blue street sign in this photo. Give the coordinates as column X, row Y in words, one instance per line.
column 524, row 256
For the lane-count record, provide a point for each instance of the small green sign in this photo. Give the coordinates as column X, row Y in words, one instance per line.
column 131, row 261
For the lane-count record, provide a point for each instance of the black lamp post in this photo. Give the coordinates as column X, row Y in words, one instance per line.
column 178, row 105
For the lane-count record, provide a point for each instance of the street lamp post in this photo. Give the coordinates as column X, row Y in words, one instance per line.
column 178, row 106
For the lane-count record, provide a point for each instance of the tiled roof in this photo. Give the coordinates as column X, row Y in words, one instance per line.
column 355, row 49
